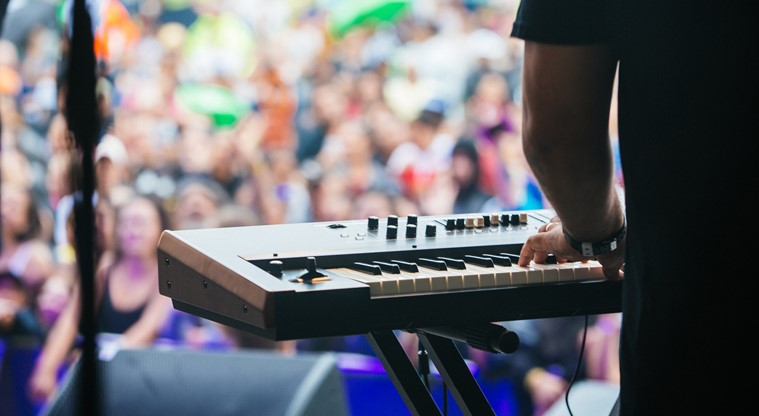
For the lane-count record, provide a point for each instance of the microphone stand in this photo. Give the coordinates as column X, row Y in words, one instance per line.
column 82, row 118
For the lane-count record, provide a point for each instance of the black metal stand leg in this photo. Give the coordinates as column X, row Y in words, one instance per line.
column 403, row 374
column 456, row 375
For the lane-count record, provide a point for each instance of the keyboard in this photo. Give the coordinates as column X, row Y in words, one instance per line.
column 307, row 280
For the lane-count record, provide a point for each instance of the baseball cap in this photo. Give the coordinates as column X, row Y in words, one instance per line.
column 113, row 148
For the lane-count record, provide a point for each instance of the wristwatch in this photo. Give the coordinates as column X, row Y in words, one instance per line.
column 596, row 248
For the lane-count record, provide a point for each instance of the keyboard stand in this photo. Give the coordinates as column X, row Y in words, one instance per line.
column 447, row 360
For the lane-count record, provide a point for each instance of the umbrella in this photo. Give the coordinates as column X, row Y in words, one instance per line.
column 215, row 101
column 348, row 14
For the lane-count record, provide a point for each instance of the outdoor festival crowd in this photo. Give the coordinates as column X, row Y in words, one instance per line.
column 230, row 113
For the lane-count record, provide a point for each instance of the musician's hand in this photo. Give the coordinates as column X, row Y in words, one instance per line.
column 550, row 240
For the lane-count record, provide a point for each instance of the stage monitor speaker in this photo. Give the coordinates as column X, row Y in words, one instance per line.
column 191, row 382
column 588, row 397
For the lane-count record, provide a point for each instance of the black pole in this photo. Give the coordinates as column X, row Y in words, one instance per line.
column 82, row 117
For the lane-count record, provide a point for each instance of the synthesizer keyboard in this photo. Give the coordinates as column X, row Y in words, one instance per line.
column 307, row 280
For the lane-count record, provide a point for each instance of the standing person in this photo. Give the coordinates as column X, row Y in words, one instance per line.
column 466, row 171
column 681, row 77
column 127, row 299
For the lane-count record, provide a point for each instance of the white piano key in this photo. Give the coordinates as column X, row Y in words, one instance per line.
column 596, row 270
column 422, row 281
column 534, row 275
column 566, row 272
column 550, row 272
column 503, row 275
column 387, row 285
column 518, row 275
column 375, row 285
column 471, row 278
column 582, row 271
column 486, row 275
column 453, row 280
column 405, row 286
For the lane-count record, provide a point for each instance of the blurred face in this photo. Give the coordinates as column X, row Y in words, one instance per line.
column 15, row 205
column 196, row 208
column 462, row 169
column 138, row 229
column 356, row 142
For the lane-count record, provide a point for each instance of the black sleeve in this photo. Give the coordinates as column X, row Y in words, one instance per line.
column 563, row 22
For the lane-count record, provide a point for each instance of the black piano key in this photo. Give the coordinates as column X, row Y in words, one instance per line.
column 372, row 269
column 432, row 264
column 499, row 260
column 551, row 259
column 514, row 257
column 454, row 263
column 407, row 266
column 479, row 261
column 388, row 267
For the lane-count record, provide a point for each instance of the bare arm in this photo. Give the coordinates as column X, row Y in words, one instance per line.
column 58, row 345
column 567, row 94
column 146, row 329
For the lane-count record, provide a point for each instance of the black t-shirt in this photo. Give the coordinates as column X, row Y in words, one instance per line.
column 684, row 154
column 564, row 22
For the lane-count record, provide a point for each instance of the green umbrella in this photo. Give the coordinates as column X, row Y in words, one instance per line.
column 349, row 14
column 215, row 101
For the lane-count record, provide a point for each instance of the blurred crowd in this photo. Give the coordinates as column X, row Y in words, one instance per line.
column 218, row 113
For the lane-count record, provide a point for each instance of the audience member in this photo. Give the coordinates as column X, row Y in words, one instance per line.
column 465, row 172
column 128, row 303
column 418, row 163
column 24, row 254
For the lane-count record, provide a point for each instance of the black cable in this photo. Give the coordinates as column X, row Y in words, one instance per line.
column 577, row 368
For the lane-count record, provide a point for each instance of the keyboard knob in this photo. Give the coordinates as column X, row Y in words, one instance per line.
column 494, row 219
column 412, row 219
column 311, row 264
column 311, row 272
column 504, row 220
column 275, row 268
column 392, row 220
column 410, row 231
column 392, row 232
column 450, row 224
column 373, row 223
column 431, row 230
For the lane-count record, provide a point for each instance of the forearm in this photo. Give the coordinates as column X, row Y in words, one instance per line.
column 567, row 94
column 147, row 328
column 60, row 340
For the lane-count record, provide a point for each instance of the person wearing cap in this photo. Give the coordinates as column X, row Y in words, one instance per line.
column 111, row 165
column 418, row 163
column 111, row 174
